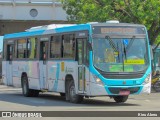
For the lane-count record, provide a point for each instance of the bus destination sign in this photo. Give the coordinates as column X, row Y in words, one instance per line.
column 118, row 30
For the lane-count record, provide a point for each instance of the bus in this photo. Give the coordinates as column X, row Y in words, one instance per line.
column 79, row 60
column 156, row 58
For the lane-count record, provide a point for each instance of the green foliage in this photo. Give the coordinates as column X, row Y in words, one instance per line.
column 145, row 12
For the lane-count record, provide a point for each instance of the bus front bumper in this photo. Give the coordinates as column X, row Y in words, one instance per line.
column 128, row 90
column 99, row 90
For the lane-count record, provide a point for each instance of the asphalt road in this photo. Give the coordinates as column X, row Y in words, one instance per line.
column 11, row 99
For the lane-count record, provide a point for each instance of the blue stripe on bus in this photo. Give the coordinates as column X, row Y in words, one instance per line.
column 73, row 28
column 23, row 34
column 57, row 30
column 76, row 28
column 148, row 45
column 57, row 77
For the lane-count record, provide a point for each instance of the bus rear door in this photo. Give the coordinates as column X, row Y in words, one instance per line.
column 10, row 51
column 43, row 64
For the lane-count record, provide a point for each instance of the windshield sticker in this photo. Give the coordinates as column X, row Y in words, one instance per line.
column 125, row 41
column 133, row 61
column 116, row 54
column 119, row 68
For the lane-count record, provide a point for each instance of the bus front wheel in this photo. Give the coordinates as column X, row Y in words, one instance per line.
column 73, row 97
column 120, row 99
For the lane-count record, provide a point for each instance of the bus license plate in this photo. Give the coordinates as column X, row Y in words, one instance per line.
column 126, row 92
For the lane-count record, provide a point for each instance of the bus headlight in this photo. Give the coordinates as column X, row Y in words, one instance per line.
column 98, row 80
column 147, row 80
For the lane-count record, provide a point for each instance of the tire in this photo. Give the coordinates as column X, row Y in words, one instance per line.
column 25, row 89
column 156, row 86
column 62, row 94
column 73, row 97
column 120, row 99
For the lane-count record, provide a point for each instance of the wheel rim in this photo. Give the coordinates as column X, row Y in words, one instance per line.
column 72, row 92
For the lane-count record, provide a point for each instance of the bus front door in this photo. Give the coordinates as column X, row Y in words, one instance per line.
column 43, row 64
column 81, row 49
column 10, row 51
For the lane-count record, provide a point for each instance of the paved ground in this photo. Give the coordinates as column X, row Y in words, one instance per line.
column 12, row 99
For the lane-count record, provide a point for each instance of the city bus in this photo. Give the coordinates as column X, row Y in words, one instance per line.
column 79, row 60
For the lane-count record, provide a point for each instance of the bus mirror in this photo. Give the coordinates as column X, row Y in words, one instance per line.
column 89, row 46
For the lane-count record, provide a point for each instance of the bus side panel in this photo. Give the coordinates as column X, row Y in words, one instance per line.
column 52, row 68
column 17, row 73
column 28, row 67
column 4, row 72
column 33, row 74
column 57, row 72
column 7, row 66
column 86, row 83
column 95, row 88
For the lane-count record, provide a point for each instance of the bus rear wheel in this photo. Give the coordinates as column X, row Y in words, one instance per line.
column 25, row 89
column 73, row 97
column 120, row 99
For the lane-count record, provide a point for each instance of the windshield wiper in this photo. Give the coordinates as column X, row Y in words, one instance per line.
column 111, row 43
column 130, row 43
column 116, row 49
column 124, row 50
column 118, row 52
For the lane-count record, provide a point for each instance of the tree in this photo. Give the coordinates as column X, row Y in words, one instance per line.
column 145, row 12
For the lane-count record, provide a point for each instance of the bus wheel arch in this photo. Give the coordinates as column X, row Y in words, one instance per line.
column 27, row 92
column 68, row 79
column 71, row 90
column 25, row 85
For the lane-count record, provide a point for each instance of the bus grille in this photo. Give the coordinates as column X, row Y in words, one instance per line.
column 122, row 76
column 117, row 90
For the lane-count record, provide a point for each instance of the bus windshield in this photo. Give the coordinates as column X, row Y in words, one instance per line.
column 120, row 54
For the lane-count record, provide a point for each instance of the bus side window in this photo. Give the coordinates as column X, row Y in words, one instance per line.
column 32, row 48
column 45, row 50
column 10, row 52
column 22, row 48
column 55, row 47
column 69, row 46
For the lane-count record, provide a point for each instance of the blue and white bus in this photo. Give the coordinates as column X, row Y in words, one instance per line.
column 79, row 60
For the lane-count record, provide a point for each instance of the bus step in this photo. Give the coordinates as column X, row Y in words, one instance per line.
column 44, row 90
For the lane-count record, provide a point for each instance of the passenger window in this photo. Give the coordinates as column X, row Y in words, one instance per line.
column 31, row 48
column 69, row 46
column 55, row 47
column 22, row 49
column 10, row 52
